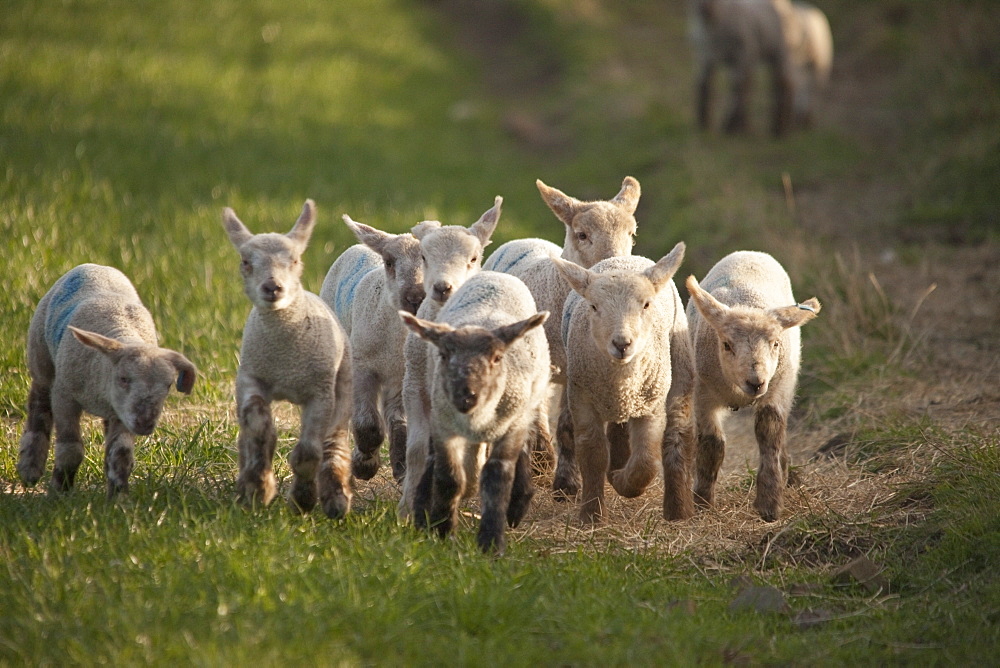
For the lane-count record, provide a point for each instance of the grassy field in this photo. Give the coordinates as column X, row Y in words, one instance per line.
column 125, row 127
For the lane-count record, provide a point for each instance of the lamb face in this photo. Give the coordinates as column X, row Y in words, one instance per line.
column 451, row 254
column 271, row 264
column 404, row 271
column 595, row 230
column 141, row 378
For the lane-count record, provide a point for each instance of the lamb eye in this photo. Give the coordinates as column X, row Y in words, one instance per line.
column 774, row 345
column 593, row 307
column 646, row 305
column 475, row 259
column 423, row 259
column 390, row 264
column 497, row 358
column 725, row 346
column 582, row 236
column 123, row 381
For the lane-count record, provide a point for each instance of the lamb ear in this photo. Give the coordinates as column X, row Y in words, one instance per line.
column 795, row 316
column 369, row 236
column 422, row 229
column 97, row 341
column 710, row 308
column 661, row 272
column 512, row 332
column 303, row 227
column 483, row 228
column 578, row 277
column 425, row 329
column 237, row 231
column 186, row 371
column 628, row 198
column 564, row 206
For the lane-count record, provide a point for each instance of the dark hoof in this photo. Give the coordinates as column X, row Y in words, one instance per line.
column 302, row 497
column 518, row 508
column 565, row 488
column 364, row 466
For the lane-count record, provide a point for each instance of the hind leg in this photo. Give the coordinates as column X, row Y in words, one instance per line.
column 368, row 429
column 256, row 483
column 395, row 417
column 335, row 469
column 34, row 447
column 566, row 481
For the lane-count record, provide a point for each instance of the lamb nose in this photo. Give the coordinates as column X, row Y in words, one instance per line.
column 442, row 291
column 755, row 387
column 271, row 289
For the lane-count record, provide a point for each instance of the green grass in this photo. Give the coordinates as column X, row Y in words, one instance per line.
column 125, row 127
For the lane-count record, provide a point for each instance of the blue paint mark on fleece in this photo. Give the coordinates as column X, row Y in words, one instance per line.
column 504, row 264
column 572, row 300
column 63, row 301
column 478, row 292
column 348, row 285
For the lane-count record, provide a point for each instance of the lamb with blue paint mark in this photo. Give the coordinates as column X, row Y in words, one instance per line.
column 365, row 287
column 293, row 349
column 594, row 231
column 745, row 328
column 629, row 363
column 451, row 254
column 488, row 383
column 110, row 366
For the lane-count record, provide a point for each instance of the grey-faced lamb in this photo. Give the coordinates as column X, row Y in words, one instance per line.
column 293, row 349
column 594, row 231
column 745, row 327
column 487, row 382
column 451, row 254
column 110, row 366
column 365, row 287
column 629, row 363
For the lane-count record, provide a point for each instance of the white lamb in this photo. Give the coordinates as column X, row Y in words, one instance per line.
column 745, row 327
column 110, row 367
column 365, row 287
column 595, row 231
column 488, row 382
column 810, row 47
column 451, row 254
column 293, row 349
column 629, row 361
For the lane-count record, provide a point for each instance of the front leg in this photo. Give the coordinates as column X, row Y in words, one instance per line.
column 119, row 456
column 645, row 437
column 770, row 428
column 395, row 417
column 711, row 449
column 677, row 452
column 69, row 446
column 367, row 423
column 334, row 478
column 495, row 484
column 255, row 482
column 448, row 483
column 566, row 480
column 593, row 452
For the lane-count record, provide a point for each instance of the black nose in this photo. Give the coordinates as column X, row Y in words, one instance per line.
column 272, row 290
column 465, row 400
column 442, row 291
column 413, row 300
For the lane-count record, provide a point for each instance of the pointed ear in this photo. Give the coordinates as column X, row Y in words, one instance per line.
column 661, row 272
column 483, row 228
column 186, row 371
column 369, row 236
column 425, row 329
column 237, row 231
column 421, row 230
column 97, row 341
column 512, row 332
column 628, row 198
column 710, row 308
column 577, row 276
column 795, row 316
column 564, row 206
column 303, row 227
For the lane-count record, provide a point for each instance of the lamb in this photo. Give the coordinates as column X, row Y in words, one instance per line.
column 451, row 254
column 365, row 287
column 487, row 384
column 744, row 325
column 793, row 39
column 594, row 231
column 111, row 367
column 629, row 362
column 293, row 349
